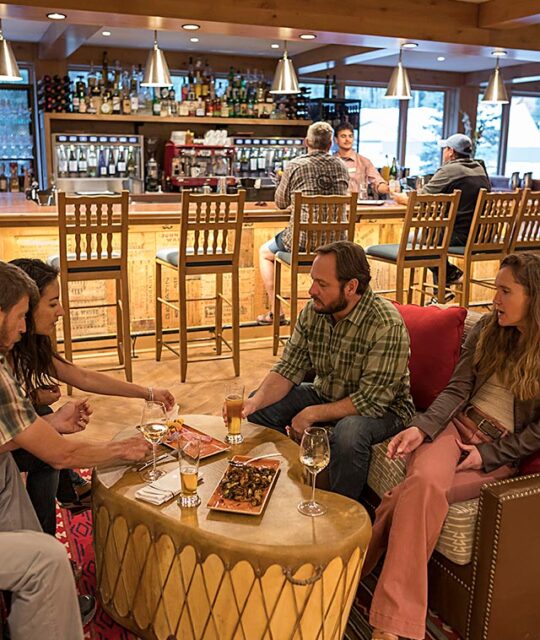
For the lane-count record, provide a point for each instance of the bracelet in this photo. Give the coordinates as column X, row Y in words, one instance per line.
column 150, row 396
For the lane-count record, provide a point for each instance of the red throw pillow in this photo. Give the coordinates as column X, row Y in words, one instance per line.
column 530, row 464
column 436, row 336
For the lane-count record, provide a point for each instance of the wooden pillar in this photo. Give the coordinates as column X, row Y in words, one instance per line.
column 468, row 103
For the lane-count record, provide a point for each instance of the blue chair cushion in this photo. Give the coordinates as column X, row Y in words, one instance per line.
column 54, row 261
column 390, row 252
column 171, row 256
column 460, row 251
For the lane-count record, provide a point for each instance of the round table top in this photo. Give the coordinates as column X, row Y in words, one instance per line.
column 280, row 529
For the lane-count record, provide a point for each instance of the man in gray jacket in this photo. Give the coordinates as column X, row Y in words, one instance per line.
column 458, row 171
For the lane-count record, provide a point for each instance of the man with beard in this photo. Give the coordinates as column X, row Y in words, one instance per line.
column 358, row 346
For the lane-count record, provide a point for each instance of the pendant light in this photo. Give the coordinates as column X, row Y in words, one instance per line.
column 399, row 87
column 496, row 91
column 156, row 70
column 285, row 80
column 9, row 71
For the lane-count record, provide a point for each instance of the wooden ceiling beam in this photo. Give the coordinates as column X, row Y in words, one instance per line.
column 503, row 14
column 517, row 74
column 61, row 40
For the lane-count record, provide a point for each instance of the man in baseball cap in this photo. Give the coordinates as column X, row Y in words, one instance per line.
column 458, row 171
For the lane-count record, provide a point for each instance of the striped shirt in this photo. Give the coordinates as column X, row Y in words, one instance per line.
column 16, row 411
column 315, row 174
column 364, row 356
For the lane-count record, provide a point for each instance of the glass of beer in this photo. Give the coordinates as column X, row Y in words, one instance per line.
column 189, row 453
column 154, row 429
column 234, row 402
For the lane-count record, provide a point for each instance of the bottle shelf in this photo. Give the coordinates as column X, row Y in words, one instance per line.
column 135, row 118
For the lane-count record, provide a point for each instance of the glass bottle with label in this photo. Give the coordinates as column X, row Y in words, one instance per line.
column 121, row 164
column 156, row 104
column 73, row 165
column 62, row 162
column 106, row 105
column 131, row 167
column 92, row 162
column 102, row 163
column 83, row 163
column 3, row 179
column 112, row 163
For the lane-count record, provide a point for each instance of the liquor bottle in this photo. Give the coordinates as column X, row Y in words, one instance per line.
column 92, row 162
column 116, row 102
column 105, row 70
column 385, row 169
column 156, row 105
column 73, row 165
column 83, row 163
column 3, row 179
column 106, row 106
column 62, row 162
column 393, row 170
column 173, row 105
column 121, row 164
column 133, row 94
column 102, row 163
column 111, row 163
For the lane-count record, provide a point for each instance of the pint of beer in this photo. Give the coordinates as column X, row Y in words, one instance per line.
column 234, row 401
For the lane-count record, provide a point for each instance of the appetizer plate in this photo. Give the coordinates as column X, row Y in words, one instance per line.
column 209, row 446
column 218, row 501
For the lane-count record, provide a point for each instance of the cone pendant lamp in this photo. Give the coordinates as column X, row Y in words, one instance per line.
column 496, row 91
column 285, row 80
column 399, row 87
column 9, row 71
column 156, row 70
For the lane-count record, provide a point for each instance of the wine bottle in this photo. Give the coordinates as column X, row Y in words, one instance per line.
column 121, row 164
column 83, row 163
column 92, row 162
column 102, row 164
column 73, row 165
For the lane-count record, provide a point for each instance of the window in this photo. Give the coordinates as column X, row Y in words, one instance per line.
column 425, row 119
column 488, row 134
column 25, row 74
column 316, row 89
column 523, row 151
column 379, row 120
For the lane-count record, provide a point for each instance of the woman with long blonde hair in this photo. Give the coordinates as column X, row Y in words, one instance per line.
column 477, row 430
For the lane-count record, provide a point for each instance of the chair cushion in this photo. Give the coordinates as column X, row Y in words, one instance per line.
column 171, row 256
column 54, row 261
column 457, row 536
column 390, row 252
column 284, row 256
column 436, row 337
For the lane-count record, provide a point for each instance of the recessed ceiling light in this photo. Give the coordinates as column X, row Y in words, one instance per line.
column 441, row 58
column 56, row 16
column 499, row 53
column 106, row 33
column 274, row 45
column 191, row 27
column 409, row 45
column 194, row 39
column 308, row 36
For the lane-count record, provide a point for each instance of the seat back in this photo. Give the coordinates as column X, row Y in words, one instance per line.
column 318, row 220
column 491, row 228
column 211, row 230
column 427, row 228
column 526, row 231
column 93, row 233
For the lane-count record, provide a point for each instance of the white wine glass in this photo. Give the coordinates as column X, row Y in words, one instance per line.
column 154, row 429
column 315, row 456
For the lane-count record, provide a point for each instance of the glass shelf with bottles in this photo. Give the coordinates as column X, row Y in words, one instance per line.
column 195, row 165
column 265, row 157
column 89, row 156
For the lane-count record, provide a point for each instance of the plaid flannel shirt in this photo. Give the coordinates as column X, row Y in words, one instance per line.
column 315, row 174
column 16, row 411
column 364, row 356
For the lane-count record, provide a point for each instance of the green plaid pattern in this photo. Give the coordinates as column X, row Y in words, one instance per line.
column 315, row 174
column 364, row 356
column 16, row 411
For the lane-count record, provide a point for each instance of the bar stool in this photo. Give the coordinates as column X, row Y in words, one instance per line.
column 526, row 231
column 210, row 237
column 96, row 228
column 425, row 238
column 489, row 238
column 316, row 220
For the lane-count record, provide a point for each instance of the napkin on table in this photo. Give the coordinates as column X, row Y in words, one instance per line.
column 162, row 489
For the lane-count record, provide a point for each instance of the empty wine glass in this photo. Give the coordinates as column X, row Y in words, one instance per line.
column 154, row 429
column 315, row 456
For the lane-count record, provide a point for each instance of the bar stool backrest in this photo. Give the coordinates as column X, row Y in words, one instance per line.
column 318, row 220
column 427, row 228
column 211, row 229
column 493, row 220
column 526, row 232
column 93, row 232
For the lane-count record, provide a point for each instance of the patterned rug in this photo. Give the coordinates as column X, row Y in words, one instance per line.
column 76, row 533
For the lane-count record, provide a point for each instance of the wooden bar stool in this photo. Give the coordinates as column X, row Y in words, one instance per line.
column 210, row 237
column 425, row 238
column 96, row 228
column 526, row 231
column 489, row 238
column 317, row 220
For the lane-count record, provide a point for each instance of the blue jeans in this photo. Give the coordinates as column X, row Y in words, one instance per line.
column 351, row 438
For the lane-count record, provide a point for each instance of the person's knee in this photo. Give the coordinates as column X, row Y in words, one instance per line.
column 350, row 434
column 265, row 253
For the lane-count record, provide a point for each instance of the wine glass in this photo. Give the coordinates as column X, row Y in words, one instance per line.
column 154, row 429
column 189, row 454
column 315, row 456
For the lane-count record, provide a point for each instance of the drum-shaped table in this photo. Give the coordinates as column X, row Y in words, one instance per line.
column 197, row 574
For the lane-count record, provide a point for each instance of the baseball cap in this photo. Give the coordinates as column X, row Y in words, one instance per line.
column 459, row 142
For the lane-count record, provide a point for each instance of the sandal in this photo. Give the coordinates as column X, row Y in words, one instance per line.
column 268, row 318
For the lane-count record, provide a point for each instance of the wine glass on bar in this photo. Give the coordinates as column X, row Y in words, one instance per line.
column 154, row 429
column 315, row 456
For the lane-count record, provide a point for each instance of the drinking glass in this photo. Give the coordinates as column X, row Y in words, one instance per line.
column 234, row 401
column 315, row 456
column 154, row 429
column 394, row 186
column 189, row 454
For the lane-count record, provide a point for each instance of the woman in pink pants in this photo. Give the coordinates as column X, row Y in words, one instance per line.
column 476, row 431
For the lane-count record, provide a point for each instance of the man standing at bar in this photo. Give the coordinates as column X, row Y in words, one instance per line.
column 358, row 345
column 361, row 170
column 458, row 171
column 315, row 174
